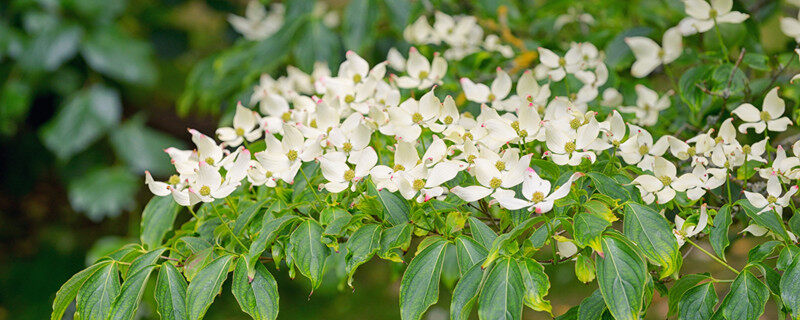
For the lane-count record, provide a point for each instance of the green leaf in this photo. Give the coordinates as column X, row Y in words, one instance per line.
column 398, row 12
column 746, row 298
column 584, row 268
column 83, row 119
column 206, row 285
column 157, row 219
column 622, row 276
column 786, row 257
column 481, row 232
column 171, row 293
column 127, row 302
column 503, row 291
column 698, row 302
column 97, row 293
column 468, row 253
column 466, row 293
column 684, row 283
column 756, row 61
column 359, row 20
column 593, row 307
column 762, row 251
column 316, row 43
column 270, row 228
column 395, row 241
column 142, row 148
column 246, row 215
column 652, row 233
column 395, row 208
column 69, row 290
column 119, row 56
column 719, row 232
column 308, row 252
column 51, row 47
column 610, row 187
column 257, row 296
column 103, row 192
column 361, row 246
column 790, row 287
column 15, row 102
column 766, row 219
column 537, row 284
column 419, row 288
column 588, row 228
column 144, row 261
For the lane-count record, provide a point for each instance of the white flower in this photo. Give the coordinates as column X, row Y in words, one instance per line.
column 493, row 43
column 352, row 135
column 529, row 90
column 664, row 182
column 209, row 185
column 556, row 66
column 611, row 98
column 648, row 105
column 613, row 129
column 573, row 15
column 782, row 166
column 537, row 192
column 703, row 16
column 640, row 150
column 340, row 174
column 481, row 93
column 244, row 127
column 494, row 174
column 419, row 32
column 791, row 27
column 421, row 73
column 773, row 201
column 710, row 179
column 769, row 117
column 571, row 146
column 282, row 159
column 207, row 149
column 649, row 55
column 257, row 24
column 405, row 120
column 685, row 230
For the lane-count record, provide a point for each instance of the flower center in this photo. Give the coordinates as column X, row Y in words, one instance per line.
column 615, row 142
column 712, row 13
column 313, row 123
column 772, row 199
column 575, row 123
column 500, row 165
column 471, row 158
column 665, row 180
column 416, row 117
column 286, row 116
column 210, row 160
column 205, row 190
column 718, row 140
column 562, row 62
column 643, row 149
column 492, row 97
column 399, row 167
column 268, row 174
column 537, row 197
column 569, row 147
column 418, row 184
column 523, row 133
column 423, row 74
column 495, row 183
column 357, row 78
column 347, row 147
column 468, row 136
column 239, row 132
column 349, row 98
column 661, row 53
column 292, row 155
column 691, row 151
column 174, row 179
column 448, row 120
column 765, row 116
column 349, row 175
column 746, row 149
column 515, row 125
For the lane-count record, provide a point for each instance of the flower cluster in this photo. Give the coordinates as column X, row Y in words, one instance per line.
column 461, row 34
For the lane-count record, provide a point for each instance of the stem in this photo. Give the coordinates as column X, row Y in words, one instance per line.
column 721, row 42
column 316, row 196
column 711, row 255
column 225, row 223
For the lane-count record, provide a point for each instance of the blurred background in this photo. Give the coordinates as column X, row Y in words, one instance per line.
column 92, row 91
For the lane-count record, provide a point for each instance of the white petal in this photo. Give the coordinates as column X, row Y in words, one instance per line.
column 471, row 193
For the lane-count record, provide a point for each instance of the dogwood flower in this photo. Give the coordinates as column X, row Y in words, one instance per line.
column 503, row 173
column 710, row 179
column 664, row 182
column 209, row 184
column 481, row 93
column 791, row 27
column 337, row 169
column 781, row 166
column 257, row 24
column 769, row 117
column 571, row 146
column 556, row 66
column 640, row 150
column 421, row 73
column 207, row 149
column 648, row 105
column 773, row 201
column 245, row 123
column 649, row 55
column 703, row 16
column 283, row 158
column 685, row 230
column 537, row 193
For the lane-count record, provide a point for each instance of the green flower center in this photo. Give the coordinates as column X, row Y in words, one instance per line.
column 347, row 147
column 468, row 136
column 765, row 116
column 205, row 190
column 399, row 167
column 313, row 123
column 772, row 199
column 471, row 158
column 691, row 151
column 500, row 165
column 575, row 123
column 416, row 117
column 448, row 120
column 174, row 179
column 523, row 133
column 562, row 62
column 665, row 180
column 423, row 74
column 349, row 175
column 746, row 149
column 418, row 184
column 357, row 78
column 643, row 149
column 286, row 116
column 292, row 155
column 492, row 97
column 210, row 160
column 239, row 132
column 495, row 183
column 515, row 125
column 349, row 98
column 537, row 197
column 569, row 147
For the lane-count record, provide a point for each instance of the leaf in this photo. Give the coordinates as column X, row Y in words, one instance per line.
column 171, row 293
column 537, row 284
column 767, row 219
column 359, row 20
column 622, row 276
column 257, row 296
column 398, row 12
column 119, row 56
column 466, row 293
column 395, row 208
column 266, row 235
column 127, row 302
column 718, row 236
column 308, row 252
column 315, row 43
column 762, row 251
column 395, row 241
column 610, row 187
column 593, row 307
column 588, row 228
column 684, row 283
column 69, row 290
column 206, row 285
column 103, row 192
column 481, row 232
column 419, row 288
column 83, row 119
column 584, row 269
column 144, row 261
column 698, row 302
column 756, row 61
column 652, row 233
column 503, row 291
column 746, row 298
column 97, row 293
column 142, row 148
column 51, row 47
column 361, row 246
column 790, row 287
column 786, row 257
column 15, row 103
column 158, row 217
column 246, row 215
column 468, row 253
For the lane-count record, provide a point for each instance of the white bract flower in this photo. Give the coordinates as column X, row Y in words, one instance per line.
column 710, row 179
column 537, row 193
column 282, row 158
column 245, row 122
column 571, row 146
column 649, row 55
column 703, row 16
column 648, row 105
column 684, row 229
column 791, row 27
column 481, row 93
column 421, row 73
column 664, row 182
column 209, row 184
column 773, row 201
column 336, row 168
column 494, row 174
column 640, row 150
column 770, row 116
column 257, row 24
